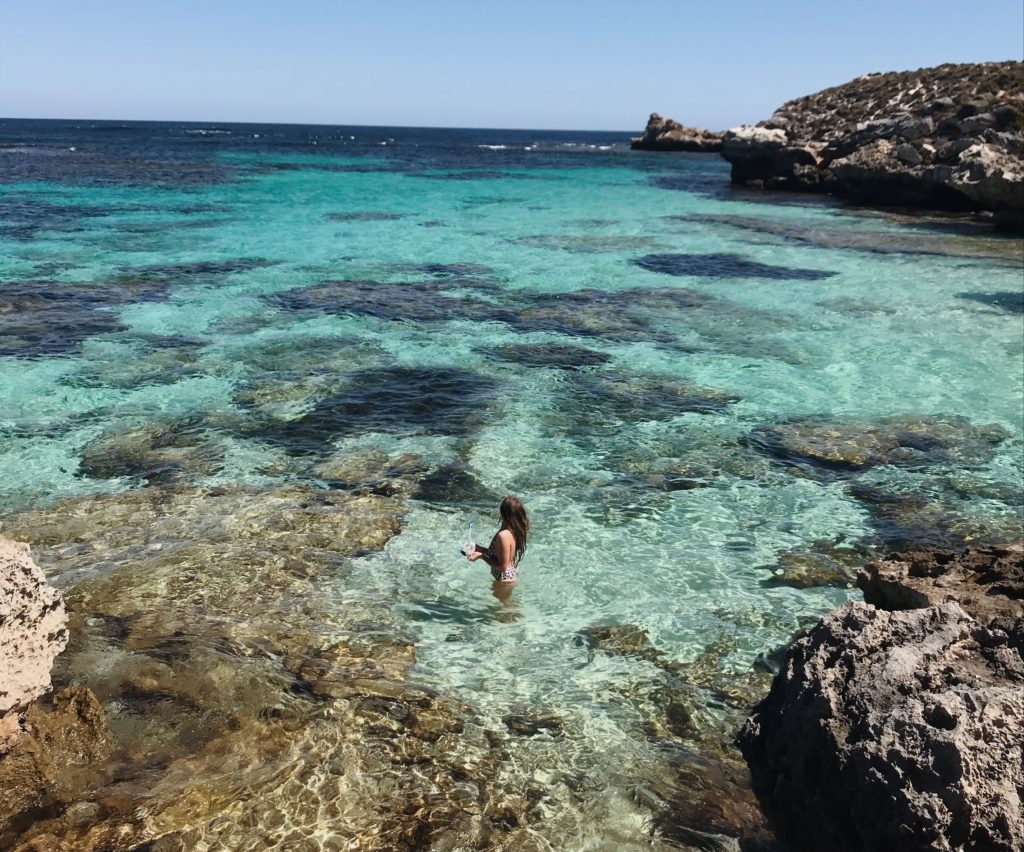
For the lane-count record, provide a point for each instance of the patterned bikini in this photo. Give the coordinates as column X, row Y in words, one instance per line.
column 509, row 575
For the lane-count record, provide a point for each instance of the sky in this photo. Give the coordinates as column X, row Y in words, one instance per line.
column 572, row 64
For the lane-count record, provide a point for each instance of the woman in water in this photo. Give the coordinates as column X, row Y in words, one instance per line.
column 507, row 547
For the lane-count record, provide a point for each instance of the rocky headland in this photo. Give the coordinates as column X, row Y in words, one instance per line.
column 944, row 138
column 664, row 134
column 899, row 721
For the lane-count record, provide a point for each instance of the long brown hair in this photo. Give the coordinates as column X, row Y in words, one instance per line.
column 513, row 515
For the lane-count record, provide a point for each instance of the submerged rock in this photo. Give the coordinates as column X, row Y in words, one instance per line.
column 364, row 216
column 899, row 721
column 561, row 356
column 664, row 134
column 725, row 266
column 947, row 137
column 925, row 236
column 454, row 484
column 33, row 631
column 821, row 565
column 601, row 398
column 531, row 724
column 1010, row 302
column 60, row 754
column 902, row 520
column 154, row 452
column 371, row 471
column 700, row 795
column 417, row 301
column 418, row 400
column 850, row 447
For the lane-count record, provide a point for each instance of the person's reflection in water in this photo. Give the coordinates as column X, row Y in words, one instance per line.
column 508, row 607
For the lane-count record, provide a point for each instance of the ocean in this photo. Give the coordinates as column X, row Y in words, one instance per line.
column 258, row 381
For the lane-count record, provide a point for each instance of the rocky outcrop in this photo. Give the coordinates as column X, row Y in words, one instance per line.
column 33, row 630
column 947, row 137
column 664, row 134
column 899, row 721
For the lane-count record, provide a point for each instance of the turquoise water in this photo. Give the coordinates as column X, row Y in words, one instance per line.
column 861, row 319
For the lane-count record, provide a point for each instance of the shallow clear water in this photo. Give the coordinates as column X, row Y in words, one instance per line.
column 159, row 274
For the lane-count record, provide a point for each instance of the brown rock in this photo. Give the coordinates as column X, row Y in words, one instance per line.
column 987, row 582
column 664, row 134
column 964, row 122
column 59, row 755
column 902, row 728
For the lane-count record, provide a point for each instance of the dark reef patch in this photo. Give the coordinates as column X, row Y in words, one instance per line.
column 418, row 301
column 420, row 400
column 626, row 315
column 725, row 266
column 39, row 318
column 364, row 216
column 587, row 243
column 199, row 269
column 598, row 400
column 561, row 356
column 471, row 174
column 1009, row 301
column 912, row 241
column 25, row 217
column 154, row 452
column 903, row 520
column 98, row 165
column 454, row 484
column 449, row 270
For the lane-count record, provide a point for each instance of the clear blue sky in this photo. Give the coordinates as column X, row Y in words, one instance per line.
column 572, row 64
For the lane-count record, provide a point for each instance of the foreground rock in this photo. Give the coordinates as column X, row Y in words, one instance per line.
column 945, row 138
column 59, row 755
column 33, row 630
column 664, row 134
column 899, row 722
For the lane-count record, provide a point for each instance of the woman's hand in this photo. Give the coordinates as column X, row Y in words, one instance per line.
column 474, row 556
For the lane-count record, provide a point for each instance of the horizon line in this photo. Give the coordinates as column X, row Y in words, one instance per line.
column 316, row 124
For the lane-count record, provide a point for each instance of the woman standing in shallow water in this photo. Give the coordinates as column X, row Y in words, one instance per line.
column 506, row 548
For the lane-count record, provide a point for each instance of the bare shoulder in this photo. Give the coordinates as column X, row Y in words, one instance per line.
column 507, row 541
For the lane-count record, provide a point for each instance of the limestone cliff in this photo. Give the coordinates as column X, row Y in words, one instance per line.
column 948, row 137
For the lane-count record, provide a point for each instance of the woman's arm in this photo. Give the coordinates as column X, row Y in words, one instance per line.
column 484, row 553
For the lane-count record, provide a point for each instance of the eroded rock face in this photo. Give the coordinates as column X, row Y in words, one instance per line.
column 899, row 722
column 664, row 134
column 987, row 582
column 33, row 630
column 947, row 137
